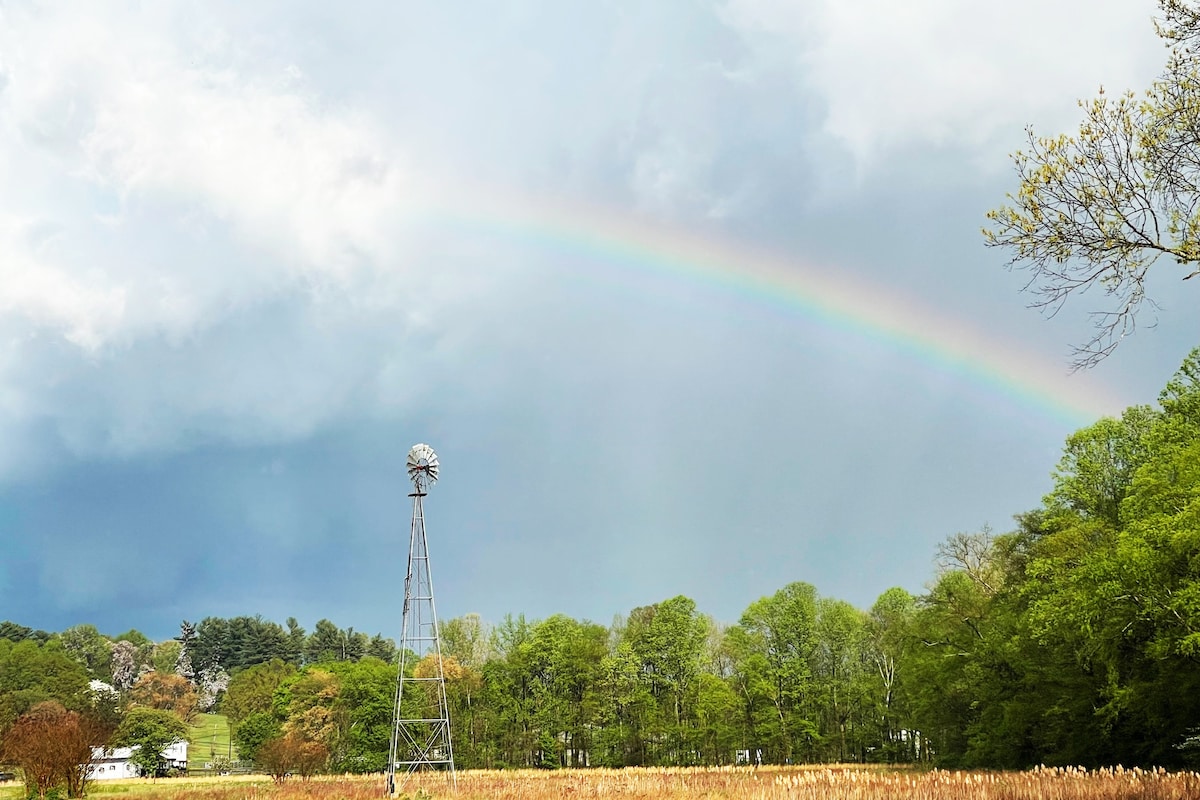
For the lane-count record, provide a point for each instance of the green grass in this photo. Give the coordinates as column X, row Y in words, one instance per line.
column 107, row 787
column 209, row 739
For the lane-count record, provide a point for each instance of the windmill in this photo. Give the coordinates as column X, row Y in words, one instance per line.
column 421, row 719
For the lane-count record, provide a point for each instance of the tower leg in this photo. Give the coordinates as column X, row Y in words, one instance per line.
column 421, row 716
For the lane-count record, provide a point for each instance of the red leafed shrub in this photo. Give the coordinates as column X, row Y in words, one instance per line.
column 53, row 747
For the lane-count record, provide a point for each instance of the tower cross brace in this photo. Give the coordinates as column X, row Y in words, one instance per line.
column 421, row 716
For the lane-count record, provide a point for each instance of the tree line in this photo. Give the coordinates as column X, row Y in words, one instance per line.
column 1072, row 639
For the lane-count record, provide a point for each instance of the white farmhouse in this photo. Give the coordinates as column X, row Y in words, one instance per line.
column 113, row 763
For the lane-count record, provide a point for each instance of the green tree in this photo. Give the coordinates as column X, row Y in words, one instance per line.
column 165, row 656
column 13, row 632
column 306, row 703
column 294, row 642
column 1100, row 207
column 231, row 644
column 629, row 712
column 718, row 714
column 958, row 671
column 252, row 690
column 466, row 638
column 1099, row 462
column 890, row 637
column 840, row 664
column 149, row 731
column 253, row 731
column 382, row 649
column 91, row 649
column 31, row 673
column 773, row 647
column 669, row 640
column 134, row 637
column 508, row 696
column 564, row 658
column 363, row 713
column 330, row 643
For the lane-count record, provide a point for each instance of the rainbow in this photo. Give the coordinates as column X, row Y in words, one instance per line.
column 833, row 298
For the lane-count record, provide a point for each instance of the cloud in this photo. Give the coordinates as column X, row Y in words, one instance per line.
column 218, row 233
column 111, row 107
column 200, row 247
column 947, row 73
column 47, row 296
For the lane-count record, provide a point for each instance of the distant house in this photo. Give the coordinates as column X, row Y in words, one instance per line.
column 113, row 763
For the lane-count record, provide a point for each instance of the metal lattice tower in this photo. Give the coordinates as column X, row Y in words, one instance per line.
column 421, row 719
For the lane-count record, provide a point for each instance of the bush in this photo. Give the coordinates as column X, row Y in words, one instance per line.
column 292, row 754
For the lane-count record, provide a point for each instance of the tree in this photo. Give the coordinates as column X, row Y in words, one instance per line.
column 165, row 656
column 187, row 640
column 507, row 693
column 1099, row 463
column 562, row 659
column 466, row 638
column 329, row 643
column 306, row 702
column 211, row 684
column 718, row 714
column 104, row 704
column 253, row 731
column 18, row 633
column 669, row 639
column 252, row 689
column 166, row 692
column 324, row 643
column 31, row 672
column 294, row 642
column 124, row 664
column 1099, row 208
column 90, row 648
column 149, row 731
column 134, row 637
column 382, row 649
column 362, row 710
column 890, row 636
column 773, row 647
column 292, row 754
column 230, row 644
column 53, row 746
column 840, row 670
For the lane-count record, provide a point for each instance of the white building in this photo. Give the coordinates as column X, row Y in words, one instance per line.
column 113, row 763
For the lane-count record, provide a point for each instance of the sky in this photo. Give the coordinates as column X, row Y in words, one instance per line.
column 688, row 296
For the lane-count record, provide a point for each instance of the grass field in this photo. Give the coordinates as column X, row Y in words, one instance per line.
column 743, row 783
column 209, row 739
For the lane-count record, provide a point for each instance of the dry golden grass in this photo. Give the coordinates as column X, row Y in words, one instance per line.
column 793, row 783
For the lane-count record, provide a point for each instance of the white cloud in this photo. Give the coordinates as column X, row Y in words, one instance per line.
column 947, row 72
column 124, row 108
column 193, row 245
column 49, row 297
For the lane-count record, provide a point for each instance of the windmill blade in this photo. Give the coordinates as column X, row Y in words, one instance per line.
column 422, row 466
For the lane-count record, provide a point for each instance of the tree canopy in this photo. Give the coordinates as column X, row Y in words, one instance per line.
column 1100, row 207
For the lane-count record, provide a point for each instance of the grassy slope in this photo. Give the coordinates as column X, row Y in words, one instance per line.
column 209, row 738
